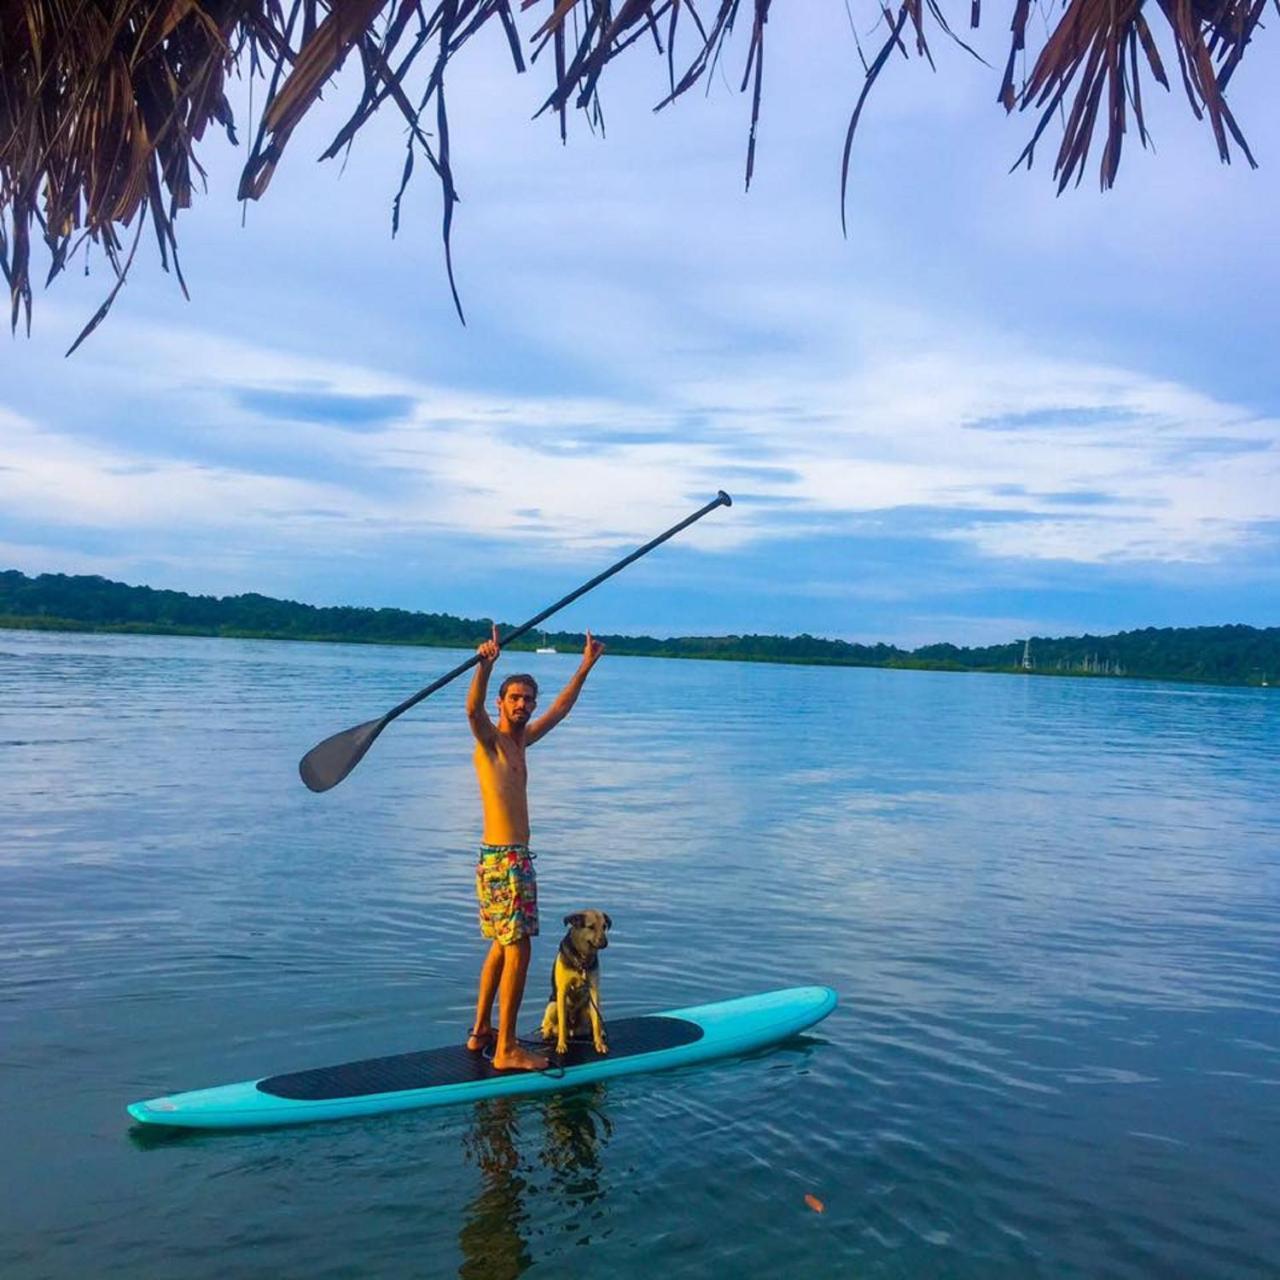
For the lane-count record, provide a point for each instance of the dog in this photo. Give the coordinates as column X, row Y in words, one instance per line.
column 575, row 982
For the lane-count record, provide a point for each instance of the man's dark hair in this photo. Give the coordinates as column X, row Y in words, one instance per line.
column 510, row 680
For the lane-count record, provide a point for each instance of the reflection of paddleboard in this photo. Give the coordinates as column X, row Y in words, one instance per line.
column 436, row 1077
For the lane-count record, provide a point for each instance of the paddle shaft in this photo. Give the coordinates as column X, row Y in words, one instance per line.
column 721, row 499
column 328, row 762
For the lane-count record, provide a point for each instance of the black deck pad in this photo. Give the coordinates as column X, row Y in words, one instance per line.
column 455, row 1064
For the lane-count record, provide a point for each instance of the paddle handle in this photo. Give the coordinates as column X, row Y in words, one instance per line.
column 721, row 499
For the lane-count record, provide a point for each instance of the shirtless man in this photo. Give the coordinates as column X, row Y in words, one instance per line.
column 505, row 882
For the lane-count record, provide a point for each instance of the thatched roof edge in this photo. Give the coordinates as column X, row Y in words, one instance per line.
column 103, row 102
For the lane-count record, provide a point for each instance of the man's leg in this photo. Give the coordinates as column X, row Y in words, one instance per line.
column 508, row 1055
column 490, row 973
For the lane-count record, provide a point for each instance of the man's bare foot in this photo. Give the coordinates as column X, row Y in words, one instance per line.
column 519, row 1059
column 481, row 1038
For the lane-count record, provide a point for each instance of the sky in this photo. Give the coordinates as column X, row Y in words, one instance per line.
column 989, row 412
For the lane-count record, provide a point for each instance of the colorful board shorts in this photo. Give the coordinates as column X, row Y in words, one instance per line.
column 507, row 890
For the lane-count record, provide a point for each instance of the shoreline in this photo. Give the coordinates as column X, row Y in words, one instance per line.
column 13, row 622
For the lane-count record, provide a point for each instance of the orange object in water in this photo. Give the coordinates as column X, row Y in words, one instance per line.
column 814, row 1203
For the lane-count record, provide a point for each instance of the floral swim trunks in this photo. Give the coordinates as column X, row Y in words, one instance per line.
column 507, row 890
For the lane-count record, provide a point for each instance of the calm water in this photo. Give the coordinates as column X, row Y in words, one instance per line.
column 1051, row 909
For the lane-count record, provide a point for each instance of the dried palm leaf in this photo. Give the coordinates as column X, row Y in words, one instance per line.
column 103, row 102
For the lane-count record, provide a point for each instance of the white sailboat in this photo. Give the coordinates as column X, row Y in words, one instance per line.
column 544, row 647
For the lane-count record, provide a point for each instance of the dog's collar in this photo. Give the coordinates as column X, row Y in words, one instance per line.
column 575, row 961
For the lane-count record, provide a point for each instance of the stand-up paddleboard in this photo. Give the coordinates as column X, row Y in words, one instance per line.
column 438, row 1077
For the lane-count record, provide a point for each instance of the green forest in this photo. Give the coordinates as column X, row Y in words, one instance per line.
column 1232, row 654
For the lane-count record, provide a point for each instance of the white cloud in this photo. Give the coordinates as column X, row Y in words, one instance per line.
column 965, row 425
column 628, row 287
column 54, row 478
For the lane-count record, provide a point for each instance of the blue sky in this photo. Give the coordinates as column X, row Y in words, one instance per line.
column 989, row 412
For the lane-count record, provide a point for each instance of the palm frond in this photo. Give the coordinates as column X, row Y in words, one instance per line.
column 104, row 102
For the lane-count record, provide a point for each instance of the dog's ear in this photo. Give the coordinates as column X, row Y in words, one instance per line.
column 575, row 921
column 608, row 923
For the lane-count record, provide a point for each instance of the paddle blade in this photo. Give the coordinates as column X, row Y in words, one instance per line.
column 327, row 763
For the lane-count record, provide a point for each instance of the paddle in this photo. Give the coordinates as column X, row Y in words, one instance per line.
column 327, row 763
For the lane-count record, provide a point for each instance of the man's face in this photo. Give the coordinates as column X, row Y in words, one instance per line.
column 517, row 704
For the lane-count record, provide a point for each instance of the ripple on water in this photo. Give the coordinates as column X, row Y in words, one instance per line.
column 1050, row 908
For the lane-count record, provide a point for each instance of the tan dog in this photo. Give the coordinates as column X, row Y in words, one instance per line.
column 575, row 982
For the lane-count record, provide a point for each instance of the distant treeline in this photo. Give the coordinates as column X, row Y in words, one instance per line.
column 54, row 601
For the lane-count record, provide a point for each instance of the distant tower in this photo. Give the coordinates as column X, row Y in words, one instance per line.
column 1027, row 664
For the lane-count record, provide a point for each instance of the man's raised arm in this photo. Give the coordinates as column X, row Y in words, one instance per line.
column 477, row 716
column 568, row 695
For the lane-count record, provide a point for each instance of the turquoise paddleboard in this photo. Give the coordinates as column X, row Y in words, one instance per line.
column 438, row 1077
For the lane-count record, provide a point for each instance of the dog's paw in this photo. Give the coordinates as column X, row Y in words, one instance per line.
column 602, row 1046
column 562, row 1046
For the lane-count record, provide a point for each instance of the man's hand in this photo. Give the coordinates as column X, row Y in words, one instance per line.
column 490, row 649
column 481, row 725
column 563, row 704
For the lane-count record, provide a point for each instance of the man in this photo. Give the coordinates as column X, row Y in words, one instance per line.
column 505, row 882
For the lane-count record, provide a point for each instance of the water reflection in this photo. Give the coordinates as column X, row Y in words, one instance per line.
column 1050, row 907
column 525, row 1193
